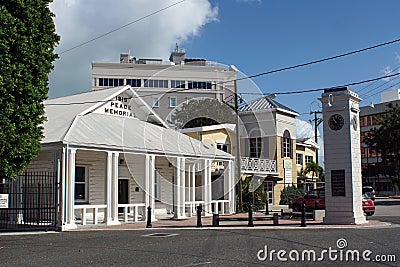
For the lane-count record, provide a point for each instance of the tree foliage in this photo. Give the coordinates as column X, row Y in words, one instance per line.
column 290, row 192
column 315, row 170
column 204, row 112
column 27, row 42
column 253, row 193
column 385, row 141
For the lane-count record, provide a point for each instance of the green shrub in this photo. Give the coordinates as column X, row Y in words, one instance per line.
column 290, row 192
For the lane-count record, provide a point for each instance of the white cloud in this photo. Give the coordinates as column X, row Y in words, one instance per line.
column 155, row 36
column 387, row 71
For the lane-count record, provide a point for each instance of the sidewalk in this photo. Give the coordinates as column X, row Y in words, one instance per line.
column 236, row 221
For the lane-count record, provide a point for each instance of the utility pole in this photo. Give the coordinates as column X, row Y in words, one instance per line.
column 235, row 108
column 238, row 154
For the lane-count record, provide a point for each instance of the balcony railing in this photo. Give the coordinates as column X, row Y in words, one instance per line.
column 256, row 165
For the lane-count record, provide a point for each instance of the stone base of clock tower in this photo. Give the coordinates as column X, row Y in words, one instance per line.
column 341, row 217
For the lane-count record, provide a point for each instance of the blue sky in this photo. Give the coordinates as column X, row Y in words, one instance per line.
column 259, row 36
column 255, row 36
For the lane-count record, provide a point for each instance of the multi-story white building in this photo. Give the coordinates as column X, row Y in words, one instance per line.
column 372, row 170
column 164, row 85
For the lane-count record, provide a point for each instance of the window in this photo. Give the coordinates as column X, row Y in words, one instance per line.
column 199, row 85
column 286, row 145
column 81, row 177
column 110, row 82
column 156, row 83
column 157, row 191
column 172, row 102
column 155, row 102
column 269, row 189
column 223, row 147
column 177, row 84
column 309, row 158
column 299, row 159
column 134, row 82
column 255, row 147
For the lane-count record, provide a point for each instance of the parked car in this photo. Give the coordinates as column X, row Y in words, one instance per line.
column 368, row 206
column 315, row 199
column 368, row 192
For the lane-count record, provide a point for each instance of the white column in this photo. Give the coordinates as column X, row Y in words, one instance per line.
column 152, row 199
column 194, row 188
column 70, row 198
column 183, row 186
column 178, row 188
column 231, row 179
column 63, row 201
column 114, row 200
column 209, row 183
column 205, row 181
column 147, row 182
column 109, row 187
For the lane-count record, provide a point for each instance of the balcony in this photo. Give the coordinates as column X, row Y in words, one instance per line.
column 256, row 165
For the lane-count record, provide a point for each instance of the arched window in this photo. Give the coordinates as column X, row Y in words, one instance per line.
column 286, row 145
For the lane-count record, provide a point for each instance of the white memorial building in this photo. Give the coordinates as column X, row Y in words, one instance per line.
column 115, row 157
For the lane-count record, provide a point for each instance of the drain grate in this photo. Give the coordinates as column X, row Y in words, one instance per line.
column 161, row 235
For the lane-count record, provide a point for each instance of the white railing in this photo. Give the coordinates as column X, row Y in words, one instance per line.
column 218, row 206
column 133, row 210
column 95, row 212
column 255, row 165
column 193, row 206
column 90, row 212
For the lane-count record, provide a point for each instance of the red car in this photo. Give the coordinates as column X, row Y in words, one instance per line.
column 315, row 199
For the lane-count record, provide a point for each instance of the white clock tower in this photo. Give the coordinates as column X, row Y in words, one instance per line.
column 343, row 182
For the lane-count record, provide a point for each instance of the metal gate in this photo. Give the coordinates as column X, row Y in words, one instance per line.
column 30, row 202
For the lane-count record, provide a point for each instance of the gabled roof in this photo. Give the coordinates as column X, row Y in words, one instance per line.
column 307, row 142
column 266, row 103
column 85, row 120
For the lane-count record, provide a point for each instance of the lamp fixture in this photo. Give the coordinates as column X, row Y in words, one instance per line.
column 330, row 100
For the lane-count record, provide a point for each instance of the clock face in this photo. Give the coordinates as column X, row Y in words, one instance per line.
column 336, row 122
column 354, row 121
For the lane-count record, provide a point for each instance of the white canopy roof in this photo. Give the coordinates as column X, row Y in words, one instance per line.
column 117, row 119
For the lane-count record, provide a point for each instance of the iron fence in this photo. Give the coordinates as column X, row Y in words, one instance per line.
column 30, row 202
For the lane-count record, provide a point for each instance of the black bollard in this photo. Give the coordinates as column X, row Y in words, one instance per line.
column 303, row 216
column 215, row 221
column 148, row 224
column 266, row 207
column 276, row 219
column 199, row 216
column 250, row 224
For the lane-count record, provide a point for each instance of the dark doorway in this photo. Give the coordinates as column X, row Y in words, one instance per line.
column 123, row 193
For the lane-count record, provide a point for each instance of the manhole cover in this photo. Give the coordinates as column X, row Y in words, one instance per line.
column 161, row 235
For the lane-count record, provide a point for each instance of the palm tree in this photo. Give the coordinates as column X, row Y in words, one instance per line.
column 315, row 169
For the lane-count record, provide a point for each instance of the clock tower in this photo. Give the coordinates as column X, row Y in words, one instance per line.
column 342, row 155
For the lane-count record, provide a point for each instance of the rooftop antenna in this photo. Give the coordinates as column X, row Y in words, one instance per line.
column 372, row 103
column 176, row 47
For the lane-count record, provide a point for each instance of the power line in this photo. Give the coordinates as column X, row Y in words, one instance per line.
column 386, row 88
column 362, row 89
column 277, row 93
column 375, row 88
column 121, row 27
column 316, row 61
column 344, row 85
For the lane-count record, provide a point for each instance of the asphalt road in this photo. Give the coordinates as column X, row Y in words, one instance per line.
column 387, row 210
column 194, row 247
column 209, row 247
